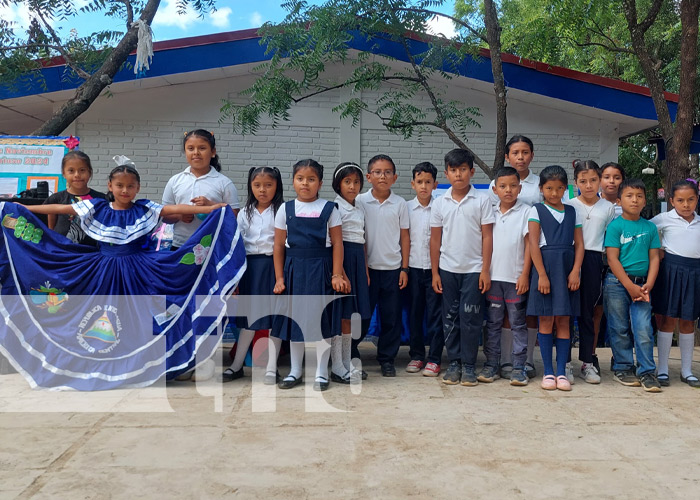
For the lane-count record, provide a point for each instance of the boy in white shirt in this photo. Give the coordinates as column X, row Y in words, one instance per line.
column 461, row 243
column 424, row 304
column 510, row 276
column 388, row 244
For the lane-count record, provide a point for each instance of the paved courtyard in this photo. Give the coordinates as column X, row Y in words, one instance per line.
column 398, row 438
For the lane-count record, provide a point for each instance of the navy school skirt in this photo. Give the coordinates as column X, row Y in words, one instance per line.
column 308, row 272
column 259, row 280
column 676, row 293
column 355, row 268
column 560, row 301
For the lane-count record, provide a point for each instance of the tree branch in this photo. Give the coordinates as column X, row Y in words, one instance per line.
column 90, row 90
column 129, row 12
column 69, row 60
column 651, row 15
column 446, row 16
column 598, row 44
column 352, row 82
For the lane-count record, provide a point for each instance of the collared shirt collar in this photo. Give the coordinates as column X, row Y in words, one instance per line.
column 188, row 170
column 518, row 205
column 673, row 213
column 417, row 204
column 470, row 194
column 532, row 178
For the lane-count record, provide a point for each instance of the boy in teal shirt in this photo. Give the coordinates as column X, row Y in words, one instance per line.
column 632, row 247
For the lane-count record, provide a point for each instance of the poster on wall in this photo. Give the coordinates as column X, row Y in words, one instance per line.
column 27, row 161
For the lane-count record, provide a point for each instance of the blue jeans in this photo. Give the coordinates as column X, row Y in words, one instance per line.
column 622, row 314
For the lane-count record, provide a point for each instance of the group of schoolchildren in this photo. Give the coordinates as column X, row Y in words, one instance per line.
column 517, row 255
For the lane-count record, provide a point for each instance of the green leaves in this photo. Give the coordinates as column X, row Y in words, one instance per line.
column 402, row 89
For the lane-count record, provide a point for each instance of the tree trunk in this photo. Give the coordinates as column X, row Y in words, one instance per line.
column 90, row 90
column 676, row 135
column 493, row 34
column 678, row 147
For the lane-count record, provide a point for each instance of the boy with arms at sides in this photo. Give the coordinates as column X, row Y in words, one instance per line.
column 388, row 245
column 425, row 304
column 632, row 247
column 461, row 243
column 510, row 277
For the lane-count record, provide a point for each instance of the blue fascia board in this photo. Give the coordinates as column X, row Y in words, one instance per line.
column 231, row 53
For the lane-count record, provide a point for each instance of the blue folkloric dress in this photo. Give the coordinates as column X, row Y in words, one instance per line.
column 119, row 315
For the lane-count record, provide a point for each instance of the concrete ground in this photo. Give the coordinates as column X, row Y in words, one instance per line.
column 398, row 438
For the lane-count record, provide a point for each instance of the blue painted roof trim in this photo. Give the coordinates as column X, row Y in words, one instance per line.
column 231, row 53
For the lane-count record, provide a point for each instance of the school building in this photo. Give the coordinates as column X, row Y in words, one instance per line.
column 568, row 115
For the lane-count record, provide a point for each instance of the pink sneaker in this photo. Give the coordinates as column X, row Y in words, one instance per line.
column 549, row 383
column 431, row 370
column 415, row 366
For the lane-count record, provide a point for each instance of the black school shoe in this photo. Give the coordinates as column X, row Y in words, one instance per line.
column 321, row 384
column 290, row 381
column 230, row 375
column 388, row 369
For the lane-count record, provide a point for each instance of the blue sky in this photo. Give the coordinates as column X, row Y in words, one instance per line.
column 231, row 15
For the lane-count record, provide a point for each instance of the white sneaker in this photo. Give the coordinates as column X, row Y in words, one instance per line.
column 205, row 371
column 570, row 373
column 589, row 373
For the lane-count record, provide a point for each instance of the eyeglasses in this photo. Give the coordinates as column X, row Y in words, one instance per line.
column 382, row 173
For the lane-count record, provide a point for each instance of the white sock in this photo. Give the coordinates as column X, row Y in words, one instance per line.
column 323, row 350
column 686, row 341
column 273, row 351
column 347, row 356
column 663, row 343
column 296, row 359
column 245, row 337
column 531, row 344
column 506, row 346
column 338, row 366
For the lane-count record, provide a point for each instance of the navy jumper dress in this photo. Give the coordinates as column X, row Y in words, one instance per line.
column 308, row 266
column 558, row 258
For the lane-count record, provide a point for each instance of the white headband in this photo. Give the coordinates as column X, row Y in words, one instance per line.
column 349, row 165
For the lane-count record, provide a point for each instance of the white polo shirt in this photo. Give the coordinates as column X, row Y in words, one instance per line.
column 419, row 217
column 595, row 220
column 678, row 236
column 383, row 224
column 529, row 190
column 182, row 187
column 558, row 216
column 258, row 233
column 309, row 210
column 461, row 223
column 509, row 232
column 353, row 218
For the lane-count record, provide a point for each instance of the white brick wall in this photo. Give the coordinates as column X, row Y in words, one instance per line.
column 156, row 148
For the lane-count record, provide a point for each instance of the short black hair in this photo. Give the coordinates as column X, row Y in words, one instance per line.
column 380, row 157
column 427, row 167
column 506, row 172
column 631, row 184
column 458, row 157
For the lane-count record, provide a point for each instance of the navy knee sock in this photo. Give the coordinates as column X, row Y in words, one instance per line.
column 563, row 348
column 546, row 342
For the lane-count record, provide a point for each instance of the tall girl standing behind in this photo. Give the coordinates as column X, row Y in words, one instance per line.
column 556, row 243
column 347, row 183
column 595, row 213
column 77, row 169
column 257, row 225
column 676, row 295
column 201, row 183
column 308, row 256
column 611, row 176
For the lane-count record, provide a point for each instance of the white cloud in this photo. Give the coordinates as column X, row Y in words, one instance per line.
column 442, row 26
column 256, row 20
column 220, row 17
column 17, row 15
column 168, row 15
